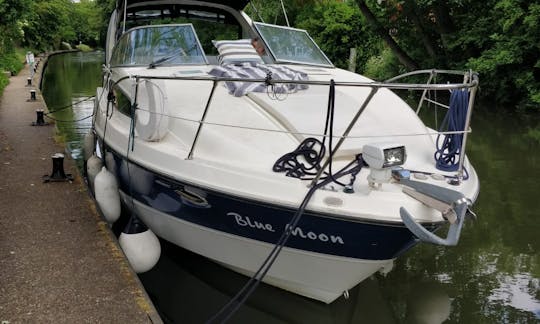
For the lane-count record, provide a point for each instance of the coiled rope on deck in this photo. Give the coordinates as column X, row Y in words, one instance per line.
column 449, row 146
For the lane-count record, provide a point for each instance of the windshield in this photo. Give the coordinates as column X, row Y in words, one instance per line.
column 291, row 45
column 159, row 45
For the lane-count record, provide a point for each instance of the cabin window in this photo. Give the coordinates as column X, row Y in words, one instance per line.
column 121, row 102
column 209, row 24
column 159, row 45
column 291, row 45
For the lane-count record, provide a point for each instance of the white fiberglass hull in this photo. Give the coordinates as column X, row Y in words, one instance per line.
column 315, row 275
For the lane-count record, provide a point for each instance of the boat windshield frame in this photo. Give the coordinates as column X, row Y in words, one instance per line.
column 270, row 36
column 156, row 51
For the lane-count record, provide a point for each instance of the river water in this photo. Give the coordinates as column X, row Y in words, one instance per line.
column 492, row 276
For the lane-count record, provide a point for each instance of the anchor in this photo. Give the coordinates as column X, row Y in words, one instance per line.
column 452, row 204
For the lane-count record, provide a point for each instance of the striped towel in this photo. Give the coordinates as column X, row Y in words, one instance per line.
column 249, row 70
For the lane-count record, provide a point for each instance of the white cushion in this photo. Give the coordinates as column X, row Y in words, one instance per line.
column 237, row 51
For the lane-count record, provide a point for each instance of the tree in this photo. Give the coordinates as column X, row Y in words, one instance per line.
column 497, row 38
column 337, row 27
column 383, row 33
column 49, row 24
column 87, row 22
column 107, row 7
column 501, row 40
column 12, row 13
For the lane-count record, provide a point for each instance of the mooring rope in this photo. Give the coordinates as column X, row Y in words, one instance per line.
column 46, row 115
column 314, row 156
column 449, row 148
column 70, row 105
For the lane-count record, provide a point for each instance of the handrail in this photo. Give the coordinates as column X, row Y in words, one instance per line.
column 393, row 86
column 421, row 102
column 470, row 82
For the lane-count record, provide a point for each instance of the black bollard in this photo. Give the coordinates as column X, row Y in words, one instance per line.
column 29, row 81
column 32, row 95
column 58, row 173
column 40, row 121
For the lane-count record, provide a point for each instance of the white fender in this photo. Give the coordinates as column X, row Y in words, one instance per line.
column 141, row 180
column 141, row 249
column 152, row 115
column 89, row 145
column 93, row 166
column 110, row 163
column 107, row 196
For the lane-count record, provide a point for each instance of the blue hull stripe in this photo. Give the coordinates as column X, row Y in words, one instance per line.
column 264, row 222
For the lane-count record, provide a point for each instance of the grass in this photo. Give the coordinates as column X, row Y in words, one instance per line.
column 12, row 62
column 84, row 48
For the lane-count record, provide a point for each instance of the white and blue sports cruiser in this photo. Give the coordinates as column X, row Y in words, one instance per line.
column 282, row 166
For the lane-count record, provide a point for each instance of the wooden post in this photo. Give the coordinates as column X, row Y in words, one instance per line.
column 352, row 59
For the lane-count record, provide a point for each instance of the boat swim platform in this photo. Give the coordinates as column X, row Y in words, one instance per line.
column 59, row 260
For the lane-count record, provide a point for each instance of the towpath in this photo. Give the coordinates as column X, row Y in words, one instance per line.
column 59, row 262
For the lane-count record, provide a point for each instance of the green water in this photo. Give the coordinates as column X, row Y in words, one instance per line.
column 68, row 87
column 492, row 276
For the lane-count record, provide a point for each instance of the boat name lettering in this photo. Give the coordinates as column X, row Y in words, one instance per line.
column 297, row 231
column 245, row 221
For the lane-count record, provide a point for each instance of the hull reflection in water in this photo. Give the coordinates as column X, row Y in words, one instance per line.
column 188, row 288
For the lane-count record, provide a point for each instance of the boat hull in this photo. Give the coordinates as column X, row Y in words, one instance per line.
column 315, row 275
column 324, row 256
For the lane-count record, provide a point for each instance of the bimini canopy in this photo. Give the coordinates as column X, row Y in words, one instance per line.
column 132, row 13
column 236, row 4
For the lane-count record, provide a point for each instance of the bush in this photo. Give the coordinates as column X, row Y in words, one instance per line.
column 3, row 82
column 534, row 134
column 83, row 48
column 11, row 62
column 383, row 66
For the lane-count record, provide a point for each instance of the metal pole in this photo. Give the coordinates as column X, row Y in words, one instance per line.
column 424, row 92
column 196, row 139
column 285, row 13
column 125, row 13
column 465, row 130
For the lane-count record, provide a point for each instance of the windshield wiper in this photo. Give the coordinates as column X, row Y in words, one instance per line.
column 169, row 57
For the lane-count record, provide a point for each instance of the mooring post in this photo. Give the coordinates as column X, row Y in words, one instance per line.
column 40, row 121
column 32, row 95
column 58, row 173
column 352, row 59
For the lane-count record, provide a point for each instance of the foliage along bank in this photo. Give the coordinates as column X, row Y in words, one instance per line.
column 43, row 25
column 500, row 39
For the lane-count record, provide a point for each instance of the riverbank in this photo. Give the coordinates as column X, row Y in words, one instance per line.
column 59, row 261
